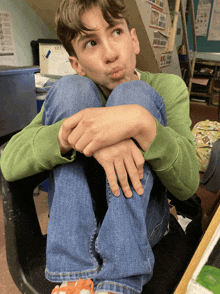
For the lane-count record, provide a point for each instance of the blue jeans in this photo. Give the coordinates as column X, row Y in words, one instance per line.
column 93, row 234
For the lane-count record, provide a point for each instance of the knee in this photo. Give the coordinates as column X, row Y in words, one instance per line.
column 69, row 89
column 68, row 96
column 131, row 93
column 139, row 92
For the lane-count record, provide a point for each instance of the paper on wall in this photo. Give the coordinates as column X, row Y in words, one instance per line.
column 160, row 39
column 159, row 3
column 158, row 19
column 214, row 31
column 202, row 17
column 165, row 59
column 8, row 54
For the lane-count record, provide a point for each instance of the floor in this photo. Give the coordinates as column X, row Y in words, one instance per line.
column 7, row 285
column 201, row 111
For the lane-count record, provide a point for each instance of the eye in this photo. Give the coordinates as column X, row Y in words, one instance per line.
column 91, row 43
column 117, row 32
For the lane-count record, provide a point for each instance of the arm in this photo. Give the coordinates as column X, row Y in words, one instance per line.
column 93, row 128
column 170, row 150
column 172, row 153
column 32, row 150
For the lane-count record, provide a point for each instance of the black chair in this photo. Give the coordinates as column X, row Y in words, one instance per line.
column 25, row 244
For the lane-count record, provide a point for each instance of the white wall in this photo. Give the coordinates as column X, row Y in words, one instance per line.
column 27, row 26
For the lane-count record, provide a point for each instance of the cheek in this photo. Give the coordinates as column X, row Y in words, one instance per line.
column 132, row 58
column 92, row 65
column 132, row 51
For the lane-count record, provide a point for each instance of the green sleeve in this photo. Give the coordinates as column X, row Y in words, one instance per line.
column 32, row 150
column 172, row 154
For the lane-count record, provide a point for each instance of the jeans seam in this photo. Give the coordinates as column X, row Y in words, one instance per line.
column 118, row 285
column 69, row 274
column 146, row 180
column 91, row 240
column 96, row 243
column 109, row 192
column 158, row 225
column 159, row 112
column 159, row 107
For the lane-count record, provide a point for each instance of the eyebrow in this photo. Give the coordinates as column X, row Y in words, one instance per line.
column 87, row 36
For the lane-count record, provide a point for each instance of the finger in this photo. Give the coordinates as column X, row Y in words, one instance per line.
column 64, row 133
column 112, row 179
column 79, row 138
column 85, row 140
column 63, row 142
column 122, row 177
column 72, row 121
column 139, row 161
column 134, row 176
column 68, row 125
column 88, row 145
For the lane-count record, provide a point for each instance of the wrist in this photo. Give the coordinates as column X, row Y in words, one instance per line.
column 146, row 129
column 63, row 145
column 64, row 149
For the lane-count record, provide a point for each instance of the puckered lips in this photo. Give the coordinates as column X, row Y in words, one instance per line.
column 117, row 73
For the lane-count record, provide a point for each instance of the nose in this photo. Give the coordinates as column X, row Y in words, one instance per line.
column 110, row 52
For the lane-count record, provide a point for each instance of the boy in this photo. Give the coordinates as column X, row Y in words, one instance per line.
column 138, row 138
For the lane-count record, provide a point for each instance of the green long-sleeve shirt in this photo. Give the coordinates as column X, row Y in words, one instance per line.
column 171, row 154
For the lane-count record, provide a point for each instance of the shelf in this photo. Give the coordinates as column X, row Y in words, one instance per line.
column 200, row 94
column 203, row 75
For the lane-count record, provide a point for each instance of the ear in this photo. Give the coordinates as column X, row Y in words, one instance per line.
column 76, row 66
column 135, row 41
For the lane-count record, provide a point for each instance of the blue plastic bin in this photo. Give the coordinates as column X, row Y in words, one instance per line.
column 17, row 98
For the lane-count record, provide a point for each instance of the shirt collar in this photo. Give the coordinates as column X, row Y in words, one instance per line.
column 138, row 74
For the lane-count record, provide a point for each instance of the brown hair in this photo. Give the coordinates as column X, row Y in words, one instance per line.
column 68, row 18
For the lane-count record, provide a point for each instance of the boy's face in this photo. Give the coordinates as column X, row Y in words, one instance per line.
column 106, row 54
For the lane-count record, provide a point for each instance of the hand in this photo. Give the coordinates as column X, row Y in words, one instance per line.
column 122, row 160
column 95, row 128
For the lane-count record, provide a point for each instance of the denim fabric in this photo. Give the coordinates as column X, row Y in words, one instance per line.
column 111, row 245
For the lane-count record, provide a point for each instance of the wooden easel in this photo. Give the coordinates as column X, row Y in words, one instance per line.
column 179, row 6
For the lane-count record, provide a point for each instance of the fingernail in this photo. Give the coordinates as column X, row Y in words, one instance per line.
column 140, row 191
column 117, row 193
column 128, row 194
